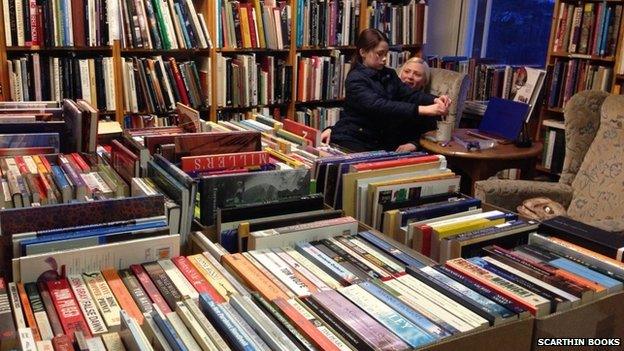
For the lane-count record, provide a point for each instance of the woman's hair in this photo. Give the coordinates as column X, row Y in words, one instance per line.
column 368, row 40
column 419, row 60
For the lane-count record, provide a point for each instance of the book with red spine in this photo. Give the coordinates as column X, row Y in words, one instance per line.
column 53, row 318
column 62, row 343
column 122, row 294
column 67, row 308
column 46, row 164
column 310, row 133
column 251, row 18
column 369, row 166
column 177, row 77
column 224, row 161
column 35, row 36
column 80, row 162
column 150, row 288
column 196, row 279
column 312, row 333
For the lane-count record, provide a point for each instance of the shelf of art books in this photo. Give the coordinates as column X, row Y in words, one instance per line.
column 585, row 48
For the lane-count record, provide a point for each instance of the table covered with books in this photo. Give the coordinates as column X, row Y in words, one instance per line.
column 482, row 164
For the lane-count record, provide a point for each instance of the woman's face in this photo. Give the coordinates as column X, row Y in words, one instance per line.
column 413, row 74
column 375, row 58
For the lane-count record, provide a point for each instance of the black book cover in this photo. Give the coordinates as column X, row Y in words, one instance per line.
column 163, row 283
column 141, row 101
column 237, row 27
column 77, row 79
column 31, row 77
column 147, row 86
column 174, row 90
column 359, row 274
column 12, row 22
column 46, row 78
column 559, row 151
column 100, row 91
column 46, row 21
column 160, row 75
column 314, row 24
column 26, row 15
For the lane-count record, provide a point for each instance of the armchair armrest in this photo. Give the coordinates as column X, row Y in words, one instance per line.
column 509, row 194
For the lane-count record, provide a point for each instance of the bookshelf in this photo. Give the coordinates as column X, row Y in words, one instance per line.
column 122, row 50
column 585, row 59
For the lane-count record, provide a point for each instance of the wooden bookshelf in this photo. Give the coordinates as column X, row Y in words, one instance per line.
column 207, row 8
column 608, row 61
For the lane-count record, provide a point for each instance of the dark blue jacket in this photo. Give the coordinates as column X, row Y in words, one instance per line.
column 380, row 111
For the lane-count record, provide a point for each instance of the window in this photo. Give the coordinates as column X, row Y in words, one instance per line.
column 513, row 32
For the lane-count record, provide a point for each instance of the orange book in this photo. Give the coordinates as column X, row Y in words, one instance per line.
column 122, row 294
column 587, row 252
column 578, row 280
column 45, row 163
column 269, row 275
column 244, row 26
column 253, row 277
column 306, row 327
column 28, row 312
column 369, row 166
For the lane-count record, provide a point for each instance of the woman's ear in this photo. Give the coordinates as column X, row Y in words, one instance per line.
column 362, row 52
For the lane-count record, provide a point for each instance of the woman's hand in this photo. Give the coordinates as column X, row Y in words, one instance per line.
column 437, row 109
column 325, row 136
column 409, row 147
column 444, row 99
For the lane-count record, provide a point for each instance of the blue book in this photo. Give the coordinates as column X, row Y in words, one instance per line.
column 185, row 34
column 415, row 317
column 61, row 181
column 610, row 284
column 172, row 337
column 386, row 247
column 483, row 290
column 478, row 304
column 90, row 232
column 220, row 320
column 504, row 118
column 229, row 240
column 605, row 31
column 428, row 211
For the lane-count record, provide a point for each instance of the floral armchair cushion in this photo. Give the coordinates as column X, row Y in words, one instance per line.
column 599, row 184
column 453, row 84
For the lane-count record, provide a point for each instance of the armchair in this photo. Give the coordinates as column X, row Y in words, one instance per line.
column 591, row 185
column 453, row 84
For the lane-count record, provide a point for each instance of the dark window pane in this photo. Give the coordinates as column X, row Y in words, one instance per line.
column 519, row 31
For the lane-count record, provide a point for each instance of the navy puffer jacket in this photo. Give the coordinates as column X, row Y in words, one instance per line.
column 380, row 111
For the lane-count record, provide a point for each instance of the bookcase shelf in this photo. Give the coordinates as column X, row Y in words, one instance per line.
column 609, row 59
column 245, row 108
column 325, row 48
column 174, row 52
column 59, row 49
column 319, row 102
column 252, row 50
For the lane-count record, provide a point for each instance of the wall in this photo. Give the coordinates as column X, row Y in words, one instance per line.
column 450, row 27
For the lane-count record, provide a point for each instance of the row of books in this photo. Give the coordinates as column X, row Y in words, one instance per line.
column 47, row 127
column 553, row 153
column 35, row 78
column 47, row 24
column 327, row 23
column 154, row 85
column 574, row 75
column 256, row 24
column 322, row 77
column 251, row 80
column 163, row 25
column 589, row 28
column 318, row 117
column 135, row 121
column 402, row 24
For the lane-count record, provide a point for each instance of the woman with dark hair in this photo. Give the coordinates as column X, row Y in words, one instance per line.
column 380, row 111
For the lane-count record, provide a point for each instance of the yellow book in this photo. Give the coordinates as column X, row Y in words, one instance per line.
column 259, row 24
column 284, row 158
column 214, row 277
column 244, row 27
column 448, row 230
column 391, row 223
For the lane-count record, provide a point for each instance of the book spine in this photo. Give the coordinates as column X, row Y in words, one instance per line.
column 163, row 283
column 283, row 273
column 28, row 311
column 252, row 276
column 55, row 322
column 202, row 339
column 67, row 308
column 41, row 317
column 196, row 279
column 134, row 288
column 302, row 270
column 121, row 293
column 184, row 287
column 218, row 317
column 222, row 285
column 7, row 326
column 329, row 265
column 210, row 330
column 104, row 299
column 151, row 289
column 16, row 306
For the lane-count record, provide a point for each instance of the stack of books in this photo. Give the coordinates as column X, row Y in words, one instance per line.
column 322, row 78
column 327, row 23
column 399, row 22
column 318, row 117
column 574, row 75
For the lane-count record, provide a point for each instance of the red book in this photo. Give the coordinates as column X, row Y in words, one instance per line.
column 80, row 162
column 34, row 29
column 40, row 29
column 312, row 134
column 178, row 81
column 196, row 279
column 67, row 307
column 150, row 288
column 426, row 239
column 62, row 343
column 122, row 294
column 368, row 166
column 305, row 326
column 78, row 23
column 252, row 24
column 19, row 161
column 224, row 161
column 46, row 163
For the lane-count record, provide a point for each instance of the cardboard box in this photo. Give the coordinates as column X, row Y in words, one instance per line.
column 603, row 318
column 515, row 336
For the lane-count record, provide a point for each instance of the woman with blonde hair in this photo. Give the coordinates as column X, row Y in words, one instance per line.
column 415, row 72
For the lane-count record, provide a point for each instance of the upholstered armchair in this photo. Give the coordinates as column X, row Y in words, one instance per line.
column 453, row 84
column 591, row 186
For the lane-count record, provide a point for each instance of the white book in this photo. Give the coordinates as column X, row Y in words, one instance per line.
column 552, row 135
column 427, row 307
column 7, row 24
column 44, row 345
column 27, row 341
column 167, row 84
column 179, row 280
column 125, row 76
column 12, row 78
column 114, row 21
column 214, row 335
column 69, row 40
column 204, row 28
column 117, row 255
column 103, row 298
column 87, row 305
column 16, row 305
column 153, row 334
column 293, row 264
column 37, row 76
column 19, row 19
column 361, row 259
column 56, row 76
column 113, row 342
column 443, row 301
column 200, row 335
column 310, row 266
column 277, row 267
column 92, row 23
column 19, row 96
column 182, row 331
column 132, row 335
column 95, row 344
